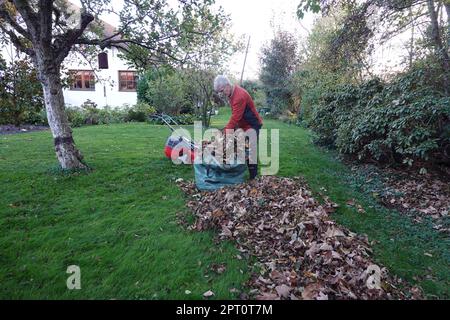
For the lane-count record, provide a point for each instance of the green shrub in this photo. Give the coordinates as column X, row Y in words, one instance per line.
column 140, row 112
column 186, row 119
column 41, row 118
column 279, row 59
column 401, row 121
column 75, row 116
column 118, row 114
column 183, row 119
column 90, row 112
column 168, row 92
column 21, row 96
column 104, row 116
column 36, row 118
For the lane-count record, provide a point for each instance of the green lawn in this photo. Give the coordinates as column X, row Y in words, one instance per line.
column 118, row 223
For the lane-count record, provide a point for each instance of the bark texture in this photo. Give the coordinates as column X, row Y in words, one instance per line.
column 47, row 53
column 440, row 49
column 68, row 155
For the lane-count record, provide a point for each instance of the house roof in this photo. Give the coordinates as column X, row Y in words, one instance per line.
column 108, row 29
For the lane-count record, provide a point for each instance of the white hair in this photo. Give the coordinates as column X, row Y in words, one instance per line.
column 220, row 82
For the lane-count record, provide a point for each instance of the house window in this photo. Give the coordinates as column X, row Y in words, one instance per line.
column 127, row 80
column 82, row 80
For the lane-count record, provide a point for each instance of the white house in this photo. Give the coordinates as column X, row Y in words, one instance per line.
column 111, row 86
column 105, row 80
column 114, row 84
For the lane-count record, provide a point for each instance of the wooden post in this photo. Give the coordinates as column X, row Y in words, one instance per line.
column 245, row 59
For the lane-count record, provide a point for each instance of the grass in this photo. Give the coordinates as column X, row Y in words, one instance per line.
column 118, row 223
column 398, row 243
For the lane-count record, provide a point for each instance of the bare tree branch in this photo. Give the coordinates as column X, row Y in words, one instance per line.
column 29, row 16
column 64, row 43
column 5, row 15
column 45, row 20
column 17, row 42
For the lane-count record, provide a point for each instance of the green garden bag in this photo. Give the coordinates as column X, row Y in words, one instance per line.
column 215, row 176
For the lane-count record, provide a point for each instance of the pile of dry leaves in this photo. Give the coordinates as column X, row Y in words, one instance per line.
column 301, row 253
column 227, row 146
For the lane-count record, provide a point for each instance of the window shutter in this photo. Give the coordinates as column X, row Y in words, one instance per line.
column 103, row 60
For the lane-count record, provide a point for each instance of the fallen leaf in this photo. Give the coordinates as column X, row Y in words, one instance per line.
column 311, row 291
column 208, row 294
column 283, row 291
column 267, row 296
column 297, row 250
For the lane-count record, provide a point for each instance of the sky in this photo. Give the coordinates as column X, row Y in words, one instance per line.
column 258, row 19
column 255, row 18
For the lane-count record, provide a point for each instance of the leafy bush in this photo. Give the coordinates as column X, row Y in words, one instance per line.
column 38, row 118
column 400, row 121
column 252, row 87
column 338, row 107
column 165, row 89
column 21, row 99
column 118, row 114
column 288, row 117
column 279, row 59
column 186, row 119
column 140, row 112
column 183, row 119
column 88, row 114
column 75, row 116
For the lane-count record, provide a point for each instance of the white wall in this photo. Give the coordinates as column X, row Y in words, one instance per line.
column 107, row 85
column 107, row 82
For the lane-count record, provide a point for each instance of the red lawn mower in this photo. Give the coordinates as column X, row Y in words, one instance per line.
column 177, row 145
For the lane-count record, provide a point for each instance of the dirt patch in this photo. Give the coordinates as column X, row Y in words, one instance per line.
column 11, row 129
column 301, row 252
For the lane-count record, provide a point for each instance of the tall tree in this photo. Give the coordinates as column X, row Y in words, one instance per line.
column 44, row 30
column 441, row 51
column 279, row 60
column 20, row 92
column 396, row 15
column 206, row 60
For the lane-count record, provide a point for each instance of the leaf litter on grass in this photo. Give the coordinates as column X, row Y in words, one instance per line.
column 301, row 253
column 422, row 196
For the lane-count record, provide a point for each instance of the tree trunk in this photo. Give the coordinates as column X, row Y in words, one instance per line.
column 439, row 47
column 68, row 155
column 447, row 9
column 411, row 43
column 204, row 113
column 210, row 109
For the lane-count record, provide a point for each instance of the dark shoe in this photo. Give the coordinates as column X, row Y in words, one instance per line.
column 253, row 170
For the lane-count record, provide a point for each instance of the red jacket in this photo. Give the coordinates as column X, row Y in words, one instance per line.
column 244, row 114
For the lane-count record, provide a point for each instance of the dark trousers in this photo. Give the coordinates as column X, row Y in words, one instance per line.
column 253, row 168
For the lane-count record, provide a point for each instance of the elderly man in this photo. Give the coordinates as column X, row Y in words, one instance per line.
column 244, row 114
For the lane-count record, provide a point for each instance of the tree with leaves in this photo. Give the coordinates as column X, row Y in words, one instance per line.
column 279, row 60
column 207, row 59
column 391, row 17
column 167, row 92
column 20, row 92
column 47, row 30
